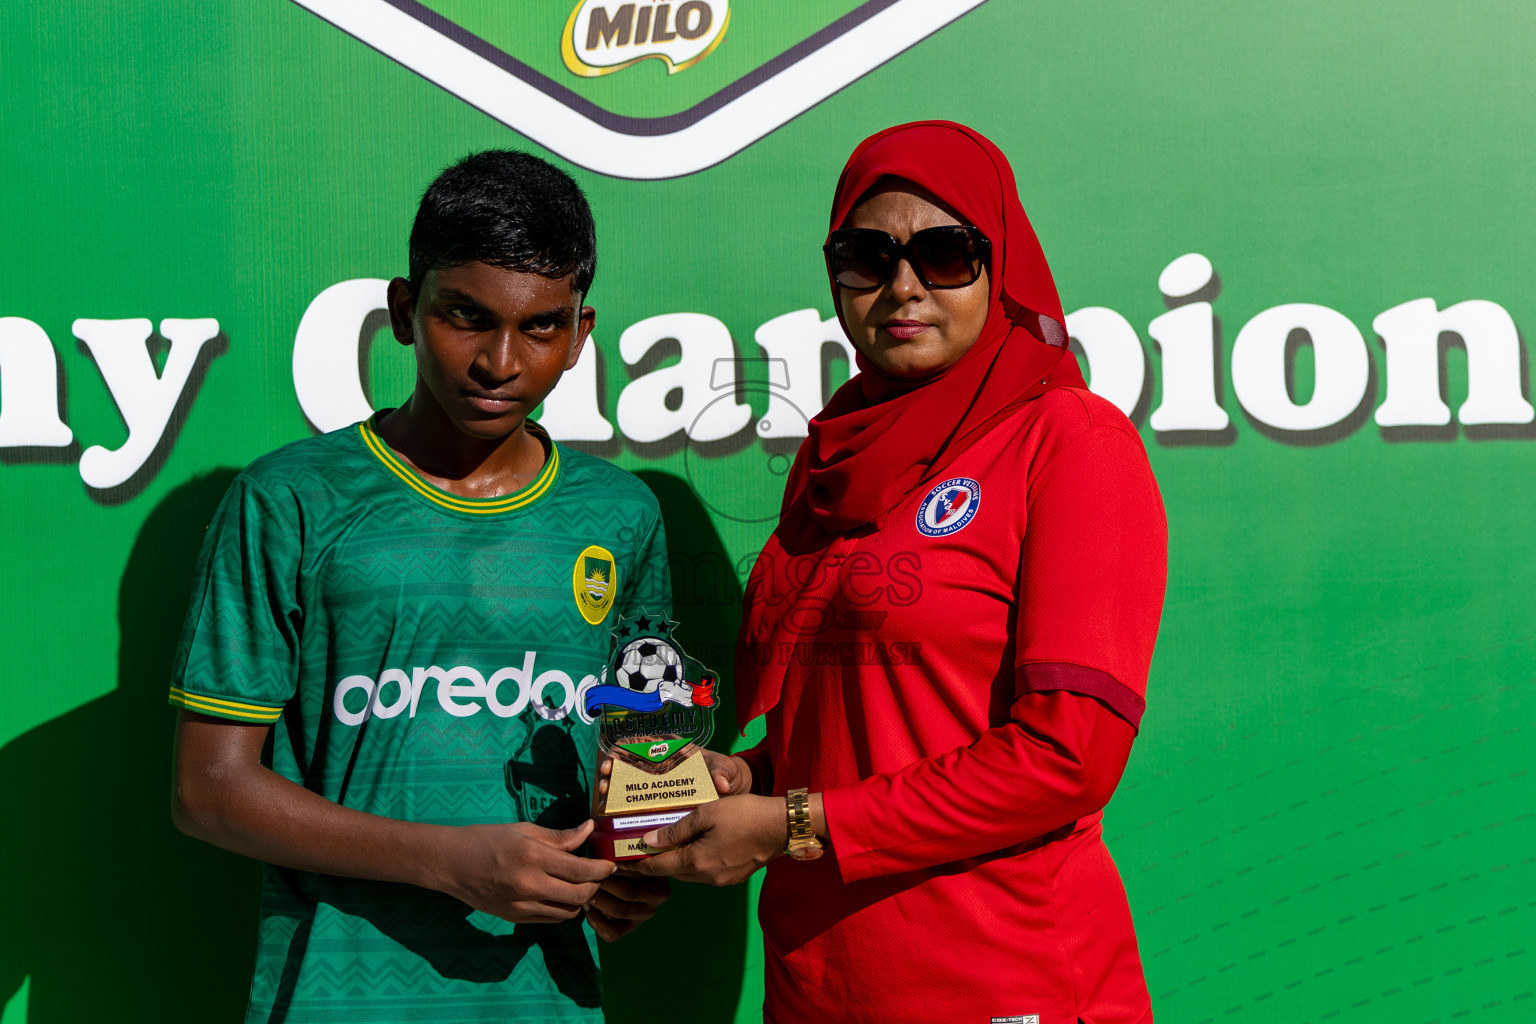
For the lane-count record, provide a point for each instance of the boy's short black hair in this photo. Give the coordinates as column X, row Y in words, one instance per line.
column 511, row 210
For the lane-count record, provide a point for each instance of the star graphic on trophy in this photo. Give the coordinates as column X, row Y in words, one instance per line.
column 643, row 624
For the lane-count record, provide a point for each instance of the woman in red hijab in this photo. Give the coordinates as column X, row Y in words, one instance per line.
column 949, row 633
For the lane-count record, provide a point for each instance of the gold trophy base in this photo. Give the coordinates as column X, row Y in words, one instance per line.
column 639, row 801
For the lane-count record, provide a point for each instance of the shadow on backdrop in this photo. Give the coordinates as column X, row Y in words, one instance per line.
column 114, row 914
column 698, row 918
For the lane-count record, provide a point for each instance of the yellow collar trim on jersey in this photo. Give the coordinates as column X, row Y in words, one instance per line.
column 482, row 506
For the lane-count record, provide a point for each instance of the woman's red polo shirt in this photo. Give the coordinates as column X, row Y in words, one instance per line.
column 960, row 695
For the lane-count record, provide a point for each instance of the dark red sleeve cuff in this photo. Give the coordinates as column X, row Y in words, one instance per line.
column 1043, row 677
column 761, row 763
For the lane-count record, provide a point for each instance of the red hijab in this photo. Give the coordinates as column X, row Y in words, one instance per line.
column 881, row 438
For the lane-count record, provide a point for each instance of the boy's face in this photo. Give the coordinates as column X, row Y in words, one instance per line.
column 490, row 343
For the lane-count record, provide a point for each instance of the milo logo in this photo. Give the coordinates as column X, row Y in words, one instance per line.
column 603, row 36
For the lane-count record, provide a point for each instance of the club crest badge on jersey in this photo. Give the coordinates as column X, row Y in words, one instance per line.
column 595, row 581
column 656, row 704
column 948, row 507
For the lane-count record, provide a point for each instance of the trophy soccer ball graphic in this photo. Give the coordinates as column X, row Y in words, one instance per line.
column 647, row 663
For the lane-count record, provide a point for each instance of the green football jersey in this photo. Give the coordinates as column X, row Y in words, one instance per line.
column 420, row 656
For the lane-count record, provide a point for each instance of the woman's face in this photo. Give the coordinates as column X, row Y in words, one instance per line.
column 908, row 330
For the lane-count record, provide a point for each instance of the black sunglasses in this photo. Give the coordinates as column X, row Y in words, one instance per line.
column 946, row 257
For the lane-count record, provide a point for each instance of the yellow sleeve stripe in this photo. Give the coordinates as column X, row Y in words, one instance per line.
column 506, row 503
column 238, row 705
column 226, row 708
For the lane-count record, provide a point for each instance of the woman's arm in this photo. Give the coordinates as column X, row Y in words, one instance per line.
column 1058, row 760
column 224, row 795
column 1092, row 569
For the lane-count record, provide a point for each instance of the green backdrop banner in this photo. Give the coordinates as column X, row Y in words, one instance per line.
column 1293, row 243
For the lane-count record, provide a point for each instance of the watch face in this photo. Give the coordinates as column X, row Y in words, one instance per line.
column 810, row 851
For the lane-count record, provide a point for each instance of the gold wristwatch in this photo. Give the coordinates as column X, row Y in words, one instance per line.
column 803, row 844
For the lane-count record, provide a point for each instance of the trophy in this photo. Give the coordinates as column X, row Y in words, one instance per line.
column 655, row 713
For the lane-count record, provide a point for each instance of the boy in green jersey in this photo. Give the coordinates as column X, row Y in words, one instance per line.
column 408, row 610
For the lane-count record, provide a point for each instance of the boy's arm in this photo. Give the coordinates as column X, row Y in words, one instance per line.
column 226, row 796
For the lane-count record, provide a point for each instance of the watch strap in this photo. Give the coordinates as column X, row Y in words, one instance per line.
column 802, row 837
